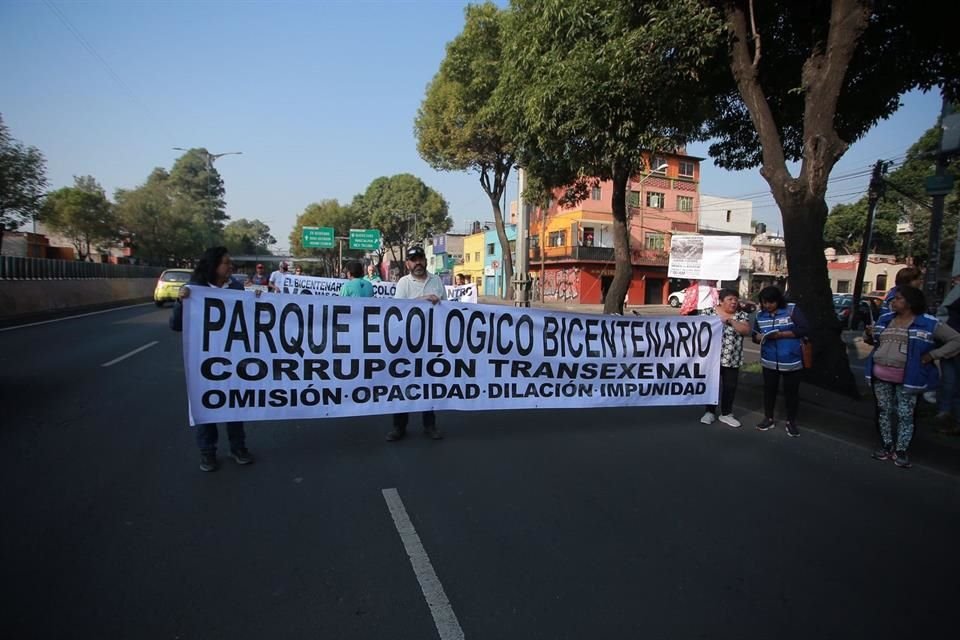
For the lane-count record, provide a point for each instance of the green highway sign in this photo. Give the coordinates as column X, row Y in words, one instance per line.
column 366, row 239
column 318, row 238
column 939, row 185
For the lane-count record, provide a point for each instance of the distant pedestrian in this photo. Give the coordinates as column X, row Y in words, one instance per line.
column 372, row 274
column 259, row 277
column 778, row 329
column 948, row 397
column 418, row 284
column 735, row 325
column 276, row 278
column 298, row 271
column 356, row 286
column 213, row 270
column 900, row 367
column 906, row 277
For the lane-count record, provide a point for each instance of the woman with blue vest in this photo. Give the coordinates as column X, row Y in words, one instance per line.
column 778, row 329
column 900, row 367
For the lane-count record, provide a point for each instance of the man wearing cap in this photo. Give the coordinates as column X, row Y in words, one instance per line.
column 276, row 278
column 418, row 284
column 260, row 277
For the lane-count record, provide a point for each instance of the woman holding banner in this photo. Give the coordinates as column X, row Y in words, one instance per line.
column 213, row 270
column 735, row 326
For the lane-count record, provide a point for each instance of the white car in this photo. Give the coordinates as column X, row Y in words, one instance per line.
column 675, row 299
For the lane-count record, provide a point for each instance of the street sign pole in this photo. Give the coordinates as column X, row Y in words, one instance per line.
column 935, row 188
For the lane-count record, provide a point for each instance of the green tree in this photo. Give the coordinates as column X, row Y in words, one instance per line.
column 461, row 123
column 806, row 80
column 327, row 213
column 597, row 85
column 195, row 180
column 844, row 228
column 404, row 209
column 248, row 237
column 164, row 228
column 83, row 214
column 23, row 181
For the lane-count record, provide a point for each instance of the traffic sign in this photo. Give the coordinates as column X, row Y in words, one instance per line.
column 318, row 238
column 366, row 239
column 496, row 264
column 939, row 185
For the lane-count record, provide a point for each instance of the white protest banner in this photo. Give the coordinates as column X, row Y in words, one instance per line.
column 704, row 257
column 309, row 285
column 462, row 292
column 286, row 357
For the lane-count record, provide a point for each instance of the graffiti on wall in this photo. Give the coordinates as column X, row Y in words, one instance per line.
column 561, row 285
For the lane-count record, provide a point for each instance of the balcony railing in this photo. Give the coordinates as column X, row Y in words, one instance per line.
column 653, row 257
column 19, row 268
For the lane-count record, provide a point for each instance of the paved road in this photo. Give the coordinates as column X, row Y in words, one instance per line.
column 543, row 524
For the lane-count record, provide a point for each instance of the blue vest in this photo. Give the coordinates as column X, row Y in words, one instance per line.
column 916, row 376
column 783, row 354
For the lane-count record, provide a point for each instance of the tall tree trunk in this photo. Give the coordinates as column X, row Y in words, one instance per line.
column 809, row 286
column 494, row 190
column 623, row 274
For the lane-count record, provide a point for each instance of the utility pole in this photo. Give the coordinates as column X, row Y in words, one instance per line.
column 521, row 277
column 937, row 186
column 877, row 187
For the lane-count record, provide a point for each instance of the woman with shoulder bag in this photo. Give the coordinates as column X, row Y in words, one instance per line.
column 779, row 329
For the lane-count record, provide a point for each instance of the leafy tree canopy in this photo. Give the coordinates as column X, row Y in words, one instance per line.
column 23, row 181
column 83, row 214
column 248, row 237
column 404, row 209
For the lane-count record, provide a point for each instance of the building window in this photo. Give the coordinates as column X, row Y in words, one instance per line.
column 843, row 286
column 490, row 249
column 513, row 249
column 653, row 241
column 634, row 199
column 686, row 169
column 655, row 199
column 595, row 193
column 658, row 162
column 476, row 256
column 466, row 258
column 557, row 239
column 684, row 203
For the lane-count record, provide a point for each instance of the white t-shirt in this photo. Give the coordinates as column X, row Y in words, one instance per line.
column 409, row 287
column 276, row 278
column 705, row 298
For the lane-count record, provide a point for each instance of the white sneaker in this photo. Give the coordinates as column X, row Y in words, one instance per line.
column 930, row 396
column 708, row 418
column 730, row 421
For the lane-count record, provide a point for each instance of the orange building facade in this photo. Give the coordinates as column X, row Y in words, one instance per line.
column 571, row 248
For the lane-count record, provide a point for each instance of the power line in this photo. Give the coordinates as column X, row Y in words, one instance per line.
column 106, row 65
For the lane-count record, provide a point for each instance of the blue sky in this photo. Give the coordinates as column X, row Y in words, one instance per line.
column 319, row 96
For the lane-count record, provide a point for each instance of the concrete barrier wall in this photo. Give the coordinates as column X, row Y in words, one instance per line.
column 32, row 297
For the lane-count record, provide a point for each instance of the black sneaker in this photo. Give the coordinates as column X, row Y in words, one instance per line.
column 883, row 453
column 208, row 462
column 792, row 430
column 901, row 460
column 766, row 425
column 241, row 455
column 396, row 434
column 433, row 432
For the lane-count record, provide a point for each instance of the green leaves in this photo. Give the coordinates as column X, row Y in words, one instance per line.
column 83, row 214
column 23, row 181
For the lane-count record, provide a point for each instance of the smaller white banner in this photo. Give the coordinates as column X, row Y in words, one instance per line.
column 462, row 292
column 698, row 257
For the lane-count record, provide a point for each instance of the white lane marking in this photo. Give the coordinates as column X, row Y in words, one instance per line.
column 82, row 315
column 127, row 355
column 443, row 616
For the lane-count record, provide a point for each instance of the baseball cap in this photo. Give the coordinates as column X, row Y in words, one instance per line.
column 415, row 252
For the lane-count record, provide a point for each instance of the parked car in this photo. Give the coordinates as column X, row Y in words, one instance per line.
column 168, row 286
column 242, row 278
column 867, row 313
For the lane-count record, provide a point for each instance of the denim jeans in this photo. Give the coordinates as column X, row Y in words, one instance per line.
column 207, row 436
column 948, row 396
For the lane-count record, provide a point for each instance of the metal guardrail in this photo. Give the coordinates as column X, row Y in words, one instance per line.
column 18, row 268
